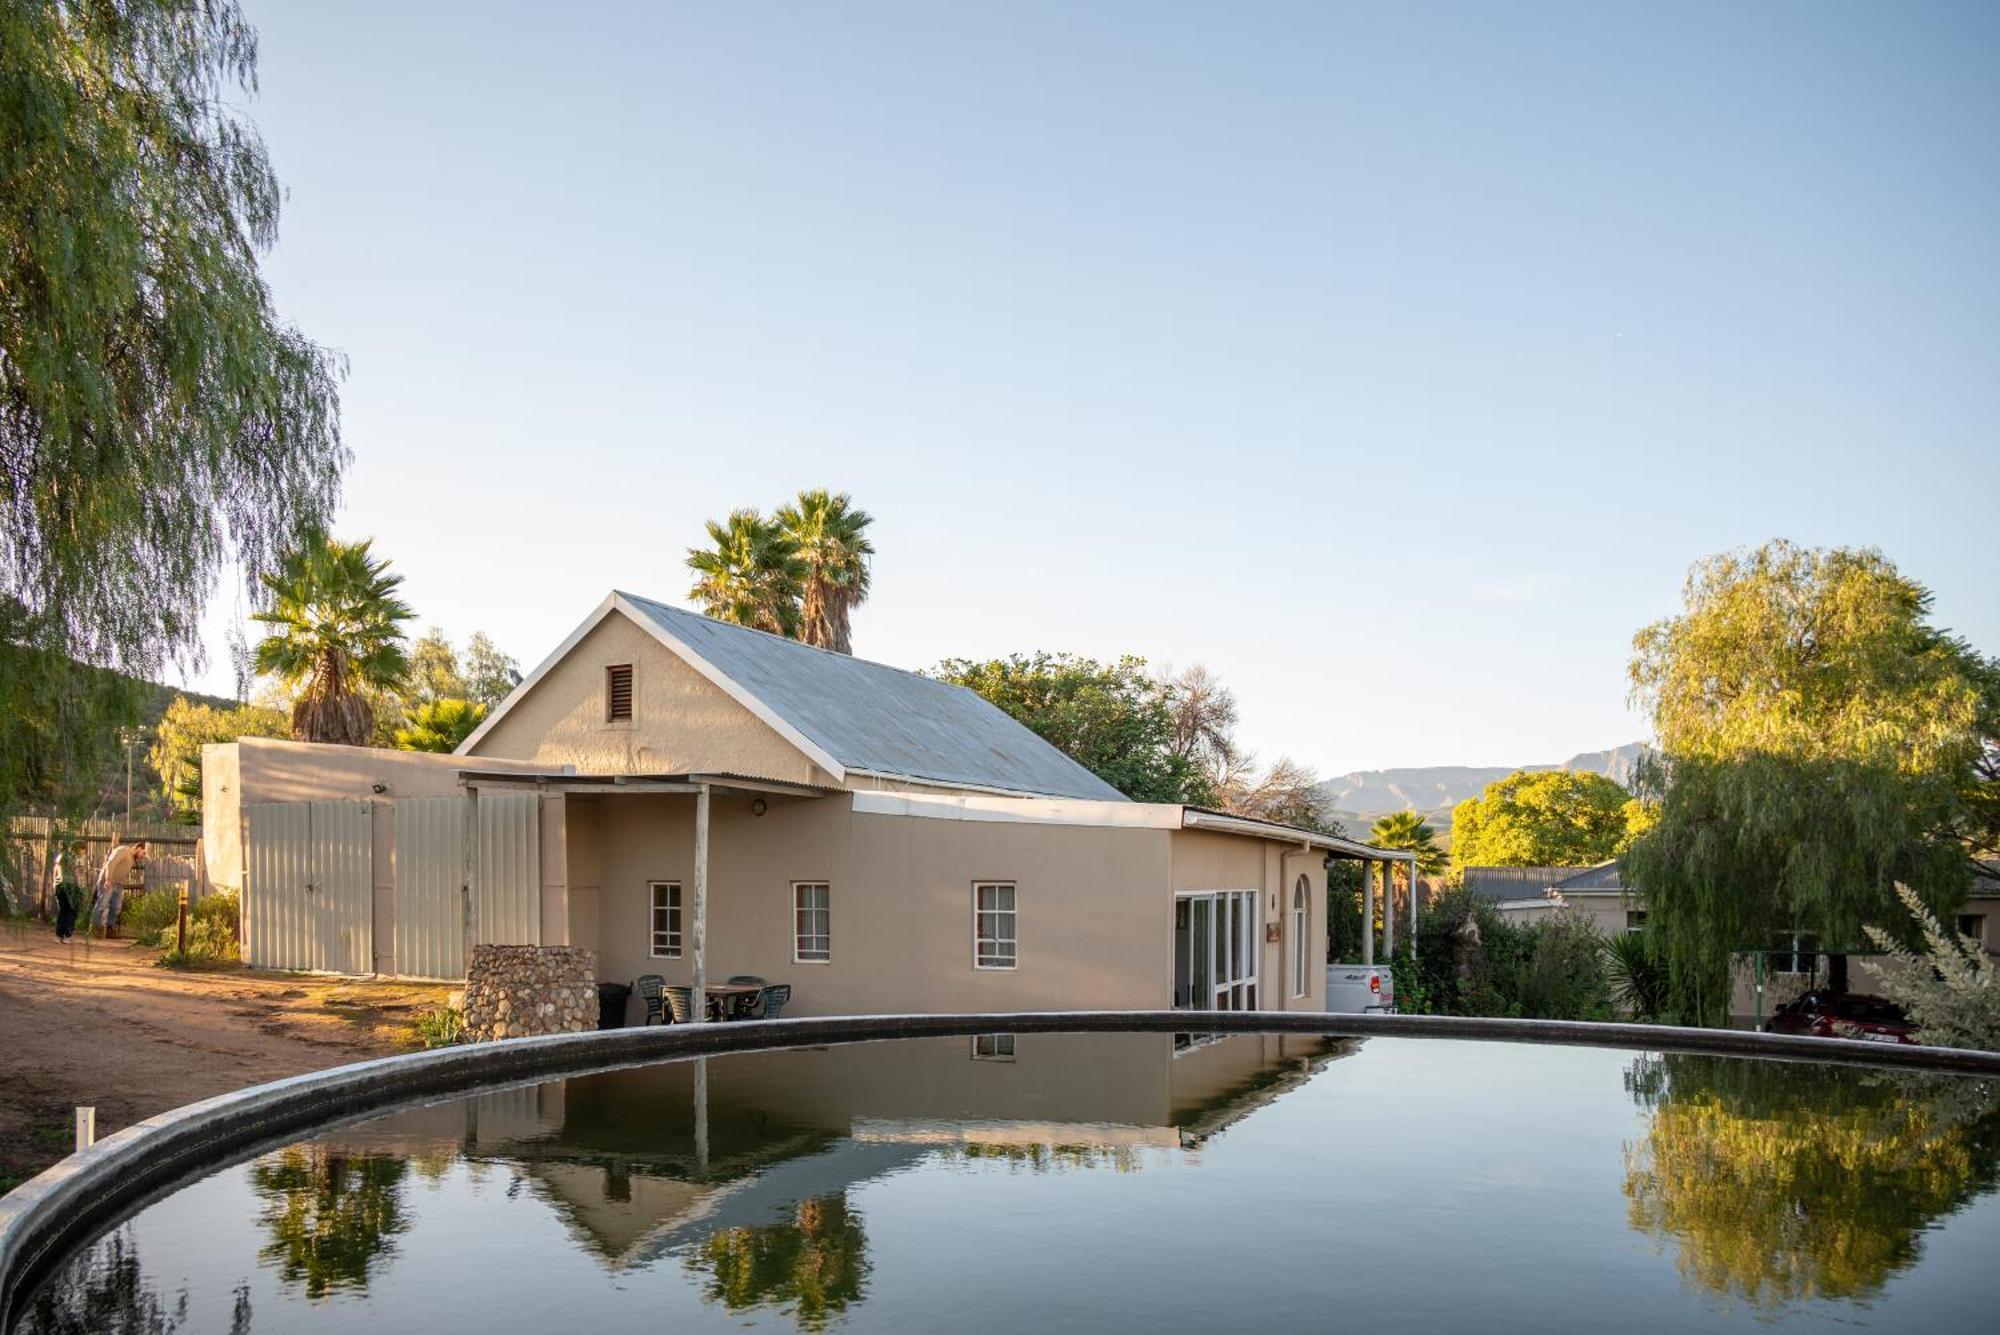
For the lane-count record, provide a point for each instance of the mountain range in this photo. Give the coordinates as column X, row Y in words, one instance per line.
column 1357, row 799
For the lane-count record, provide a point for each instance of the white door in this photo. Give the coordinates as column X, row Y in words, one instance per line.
column 430, row 878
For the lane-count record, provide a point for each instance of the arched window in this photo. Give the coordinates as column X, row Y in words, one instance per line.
column 1301, row 930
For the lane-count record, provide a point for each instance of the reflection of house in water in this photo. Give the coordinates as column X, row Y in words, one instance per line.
column 646, row 1161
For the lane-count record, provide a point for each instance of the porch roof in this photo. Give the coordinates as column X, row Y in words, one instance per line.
column 725, row 783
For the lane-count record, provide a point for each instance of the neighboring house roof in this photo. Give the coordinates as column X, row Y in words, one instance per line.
column 1602, row 879
column 1508, row 883
column 850, row 715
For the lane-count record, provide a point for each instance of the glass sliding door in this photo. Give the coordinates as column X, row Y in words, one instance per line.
column 1215, row 951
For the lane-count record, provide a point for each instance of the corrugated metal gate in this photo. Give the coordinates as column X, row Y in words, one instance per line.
column 430, row 869
column 308, row 899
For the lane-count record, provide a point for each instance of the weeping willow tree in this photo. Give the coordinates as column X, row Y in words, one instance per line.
column 157, row 418
column 1817, row 737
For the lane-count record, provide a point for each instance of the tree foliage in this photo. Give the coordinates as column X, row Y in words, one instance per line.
column 1818, row 739
column 440, row 726
column 1114, row 719
column 830, row 536
column 185, row 728
column 156, row 417
column 750, row 574
column 61, row 721
column 1409, row 832
column 1542, row 818
column 336, row 636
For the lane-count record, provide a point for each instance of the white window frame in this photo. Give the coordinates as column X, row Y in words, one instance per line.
column 1013, row 937
column 799, row 935
column 675, row 931
column 993, row 1047
column 1301, row 934
column 1243, row 920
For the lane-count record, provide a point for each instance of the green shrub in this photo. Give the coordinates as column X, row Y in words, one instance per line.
column 1549, row 968
column 141, row 916
column 441, row 1026
column 213, row 936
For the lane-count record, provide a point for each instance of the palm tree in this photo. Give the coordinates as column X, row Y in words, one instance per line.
column 831, row 538
column 440, row 725
column 336, row 636
column 1409, row 832
column 752, row 575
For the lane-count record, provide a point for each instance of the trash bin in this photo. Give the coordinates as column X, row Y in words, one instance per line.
column 611, row 1004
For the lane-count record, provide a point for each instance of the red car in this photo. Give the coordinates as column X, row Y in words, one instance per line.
column 1825, row 1014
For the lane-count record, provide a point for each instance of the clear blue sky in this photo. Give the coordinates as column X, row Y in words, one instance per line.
column 1394, row 360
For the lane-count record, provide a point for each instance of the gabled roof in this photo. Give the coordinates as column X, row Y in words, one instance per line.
column 846, row 714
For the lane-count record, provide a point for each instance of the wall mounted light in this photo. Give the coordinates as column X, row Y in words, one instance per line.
column 758, row 806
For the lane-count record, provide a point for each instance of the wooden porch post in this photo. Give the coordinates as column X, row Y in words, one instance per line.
column 701, row 903
column 469, row 847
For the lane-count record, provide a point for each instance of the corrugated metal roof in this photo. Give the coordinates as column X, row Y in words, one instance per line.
column 1602, row 878
column 1508, row 883
column 869, row 716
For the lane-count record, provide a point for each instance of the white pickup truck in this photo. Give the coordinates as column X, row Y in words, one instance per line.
column 1352, row 989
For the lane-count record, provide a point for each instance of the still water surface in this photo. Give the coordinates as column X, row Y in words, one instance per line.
column 1082, row 1183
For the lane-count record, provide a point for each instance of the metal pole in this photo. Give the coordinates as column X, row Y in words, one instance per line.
column 1413, row 908
column 469, row 847
column 86, row 1127
column 701, row 903
column 1388, row 911
column 1367, row 912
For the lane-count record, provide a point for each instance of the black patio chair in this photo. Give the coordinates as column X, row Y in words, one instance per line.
column 651, row 988
column 744, row 1005
column 771, row 1002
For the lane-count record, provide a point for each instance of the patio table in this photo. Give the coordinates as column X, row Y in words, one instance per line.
column 729, row 999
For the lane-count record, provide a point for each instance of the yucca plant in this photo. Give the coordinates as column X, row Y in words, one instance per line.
column 336, row 634
column 1638, row 979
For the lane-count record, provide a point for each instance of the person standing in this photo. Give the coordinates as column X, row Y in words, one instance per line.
column 69, row 895
column 124, row 868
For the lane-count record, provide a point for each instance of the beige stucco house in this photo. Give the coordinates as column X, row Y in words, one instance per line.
column 697, row 800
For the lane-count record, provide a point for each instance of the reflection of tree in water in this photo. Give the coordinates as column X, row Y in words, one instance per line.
column 330, row 1214
column 1784, row 1181
column 817, row 1263
column 103, row 1292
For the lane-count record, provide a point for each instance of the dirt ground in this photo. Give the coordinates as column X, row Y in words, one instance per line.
column 97, row 1022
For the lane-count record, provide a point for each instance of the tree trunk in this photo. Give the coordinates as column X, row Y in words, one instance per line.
column 1836, row 972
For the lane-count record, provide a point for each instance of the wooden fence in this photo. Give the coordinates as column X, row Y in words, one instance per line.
column 27, row 858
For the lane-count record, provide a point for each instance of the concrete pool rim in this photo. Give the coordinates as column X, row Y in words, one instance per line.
column 45, row 1218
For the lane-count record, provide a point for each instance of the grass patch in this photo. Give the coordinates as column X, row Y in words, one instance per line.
column 440, row 1026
